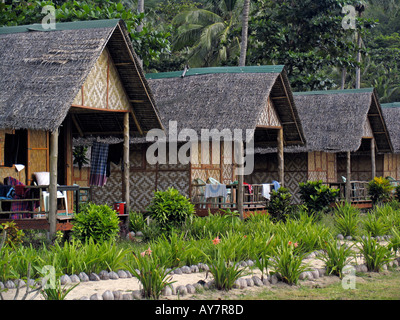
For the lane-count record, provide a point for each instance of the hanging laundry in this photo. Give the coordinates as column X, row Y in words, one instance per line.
column 266, row 189
column 98, row 164
column 215, row 190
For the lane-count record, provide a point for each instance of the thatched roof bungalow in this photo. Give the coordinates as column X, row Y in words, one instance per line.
column 391, row 161
column 80, row 79
column 257, row 99
column 337, row 123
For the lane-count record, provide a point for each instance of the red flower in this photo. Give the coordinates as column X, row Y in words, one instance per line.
column 216, row 240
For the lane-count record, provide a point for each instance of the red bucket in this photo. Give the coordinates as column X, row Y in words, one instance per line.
column 119, row 207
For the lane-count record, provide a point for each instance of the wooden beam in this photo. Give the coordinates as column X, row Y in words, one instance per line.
column 78, row 127
column 53, row 182
column 136, row 122
column 126, row 192
column 240, row 192
column 373, row 160
column 348, row 176
column 281, row 161
column 123, row 63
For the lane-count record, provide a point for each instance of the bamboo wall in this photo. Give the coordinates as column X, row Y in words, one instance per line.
column 360, row 167
column 103, row 89
column 322, row 166
column 391, row 165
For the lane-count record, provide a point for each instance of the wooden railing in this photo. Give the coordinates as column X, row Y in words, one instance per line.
column 358, row 193
column 252, row 199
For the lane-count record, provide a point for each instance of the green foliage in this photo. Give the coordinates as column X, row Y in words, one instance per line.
column 170, row 208
column 379, row 189
column 14, row 234
column 137, row 221
column 336, row 256
column 347, row 219
column 151, row 273
column 397, row 193
column 375, row 255
column 279, row 205
column 316, row 196
column 99, row 222
column 289, row 262
column 149, row 43
column 57, row 293
column 375, row 225
column 79, row 154
column 221, row 263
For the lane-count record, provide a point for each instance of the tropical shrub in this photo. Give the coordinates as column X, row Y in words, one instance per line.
column 14, row 234
column 99, row 222
column 170, row 208
column 151, row 273
column 316, row 196
column 279, row 205
column 347, row 219
column 225, row 272
column 375, row 225
column 137, row 221
column 379, row 189
column 289, row 262
column 336, row 256
column 375, row 255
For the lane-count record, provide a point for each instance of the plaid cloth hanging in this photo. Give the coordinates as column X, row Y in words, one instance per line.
column 20, row 193
column 98, row 164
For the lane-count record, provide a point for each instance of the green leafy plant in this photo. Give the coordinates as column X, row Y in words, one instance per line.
column 316, row 196
column 262, row 260
column 151, row 273
column 375, row 255
column 79, row 154
column 375, row 225
column 58, row 292
column 336, row 256
column 347, row 219
column 225, row 272
column 170, row 208
column 289, row 262
column 379, row 189
column 279, row 205
column 14, row 234
column 137, row 221
column 99, row 222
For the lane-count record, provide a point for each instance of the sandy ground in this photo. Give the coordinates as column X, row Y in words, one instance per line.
column 87, row 289
column 131, row 284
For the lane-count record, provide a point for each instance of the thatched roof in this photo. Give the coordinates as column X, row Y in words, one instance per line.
column 333, row 120
column 391, row 113
column 226, row 98
column 41, row 71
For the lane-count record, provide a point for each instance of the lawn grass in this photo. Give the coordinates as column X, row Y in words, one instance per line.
column 368, row 286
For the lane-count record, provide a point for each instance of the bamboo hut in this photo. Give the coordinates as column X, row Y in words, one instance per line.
column 257, row 99
column 391, row 161
column 345, row 130
column 81, row 79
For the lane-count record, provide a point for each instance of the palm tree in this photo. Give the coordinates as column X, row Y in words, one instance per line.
column 208, row 33
column 245, row 24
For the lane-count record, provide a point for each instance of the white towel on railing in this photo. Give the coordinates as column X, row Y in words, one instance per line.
column 266, row 189
column 215, row 190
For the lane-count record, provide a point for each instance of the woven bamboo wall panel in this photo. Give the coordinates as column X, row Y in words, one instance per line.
column 38, row 139
column 175, row 179
column 95, row 87
column 112, row 191
column 37, row 161
column 136, row 158
column 141, row 186
column 117, row 97
column 78, row 99
column 12, row 172
column 391, row 165
column 268, row 116
column 199, row 174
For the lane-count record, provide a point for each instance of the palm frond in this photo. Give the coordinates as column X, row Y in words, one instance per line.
column 197, row 16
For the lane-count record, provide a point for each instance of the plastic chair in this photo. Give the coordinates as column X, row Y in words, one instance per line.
column 60, row 195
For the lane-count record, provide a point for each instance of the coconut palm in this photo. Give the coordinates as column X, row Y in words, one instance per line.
column 208, row 33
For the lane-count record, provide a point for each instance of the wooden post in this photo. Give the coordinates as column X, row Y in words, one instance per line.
column 240, row 192
column 126, row 164
column 373, row 160
column 53, row 182
column 348, row 177
column 281, row 161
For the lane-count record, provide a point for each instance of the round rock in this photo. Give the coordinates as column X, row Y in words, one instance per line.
column 340, row 237
column 186, row 270
column 167, row 291
column 96, row 296
column 65, row 279
column 194, row 268
column 103, row 275
column 108, row 295
column 127, row 296
column 9, row 284
column 257, row 281
column 250, row 282
column 181, row 290
column 93, row 277
column 113, row 275
column 190, row 289
column 122, row 274
column 74, row 278
column 83, row 277
column 178, row 271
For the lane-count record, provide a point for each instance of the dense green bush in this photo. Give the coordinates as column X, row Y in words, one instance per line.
column 316, row 196
column 170, row 208
column 379, row 189
column 347, row 219
column 99, row 222
column 279, row 205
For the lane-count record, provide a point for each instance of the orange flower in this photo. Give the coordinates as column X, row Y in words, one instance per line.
column 143, row 253
column 148, row 251
column 216, row 240
column 289, row 243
